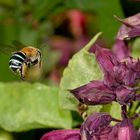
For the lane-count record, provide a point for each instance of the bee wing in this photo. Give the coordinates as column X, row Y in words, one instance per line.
column 7, row 49
column 42, row 47
column 18, row 45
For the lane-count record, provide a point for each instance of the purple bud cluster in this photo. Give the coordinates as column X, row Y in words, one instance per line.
column 120, row 84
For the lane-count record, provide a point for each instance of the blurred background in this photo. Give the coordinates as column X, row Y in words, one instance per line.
column 59, row 28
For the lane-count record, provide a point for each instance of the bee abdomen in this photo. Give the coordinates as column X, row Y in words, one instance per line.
column 16, row 61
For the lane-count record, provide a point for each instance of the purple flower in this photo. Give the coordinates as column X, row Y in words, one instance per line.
column 119, row 76
column 125, row 75
column 121, row 49
column 123, row 131
column 130, row 27
column 117, row 72
column 94, row 93
column 106, row 59
column 62, row 135
column 113, row 135
column 96, row 126
column 134, row 65
column 127, row 131
column 125, row 95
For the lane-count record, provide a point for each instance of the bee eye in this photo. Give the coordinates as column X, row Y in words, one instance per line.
column 34, row 62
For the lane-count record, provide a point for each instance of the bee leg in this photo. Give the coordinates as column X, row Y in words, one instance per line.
column 40, row 64
column 39, row 59
column 23, row 71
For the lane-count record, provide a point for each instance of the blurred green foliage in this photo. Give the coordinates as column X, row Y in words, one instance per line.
column 30, row 21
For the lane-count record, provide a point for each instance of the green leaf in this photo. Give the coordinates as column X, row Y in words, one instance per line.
column 115, row 110
column 25, row 106
column 81, row 69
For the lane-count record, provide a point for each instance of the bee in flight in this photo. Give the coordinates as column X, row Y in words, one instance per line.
column 22, row 60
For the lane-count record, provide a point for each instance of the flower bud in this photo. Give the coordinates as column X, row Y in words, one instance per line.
column 123, row 131
column 121, row 49
column 106, row 59
column 95, row 125
column 94, row 93
column 127, row 131
column 125, row 95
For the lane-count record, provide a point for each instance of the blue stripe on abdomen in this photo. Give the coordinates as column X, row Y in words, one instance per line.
column 16, row 61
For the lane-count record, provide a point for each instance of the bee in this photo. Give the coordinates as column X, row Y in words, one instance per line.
column 24, row 59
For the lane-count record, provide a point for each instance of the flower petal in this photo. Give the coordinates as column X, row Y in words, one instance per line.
column 106, row 59
column 94, row 93
column 132, row 21
column 124, row 74
column 127, row 131
column 125, row 95
column 113, row 135
column 121, row 49
column 130, row 27
column 62, row 135
column 110, row 81
column 123, row 131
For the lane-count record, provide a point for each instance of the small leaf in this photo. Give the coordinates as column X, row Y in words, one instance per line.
column 115, row 110
column 25, row 106
column 81, row 69
column 136, row 48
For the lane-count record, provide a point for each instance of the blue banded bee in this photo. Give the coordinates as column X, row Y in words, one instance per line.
column 24, row 59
